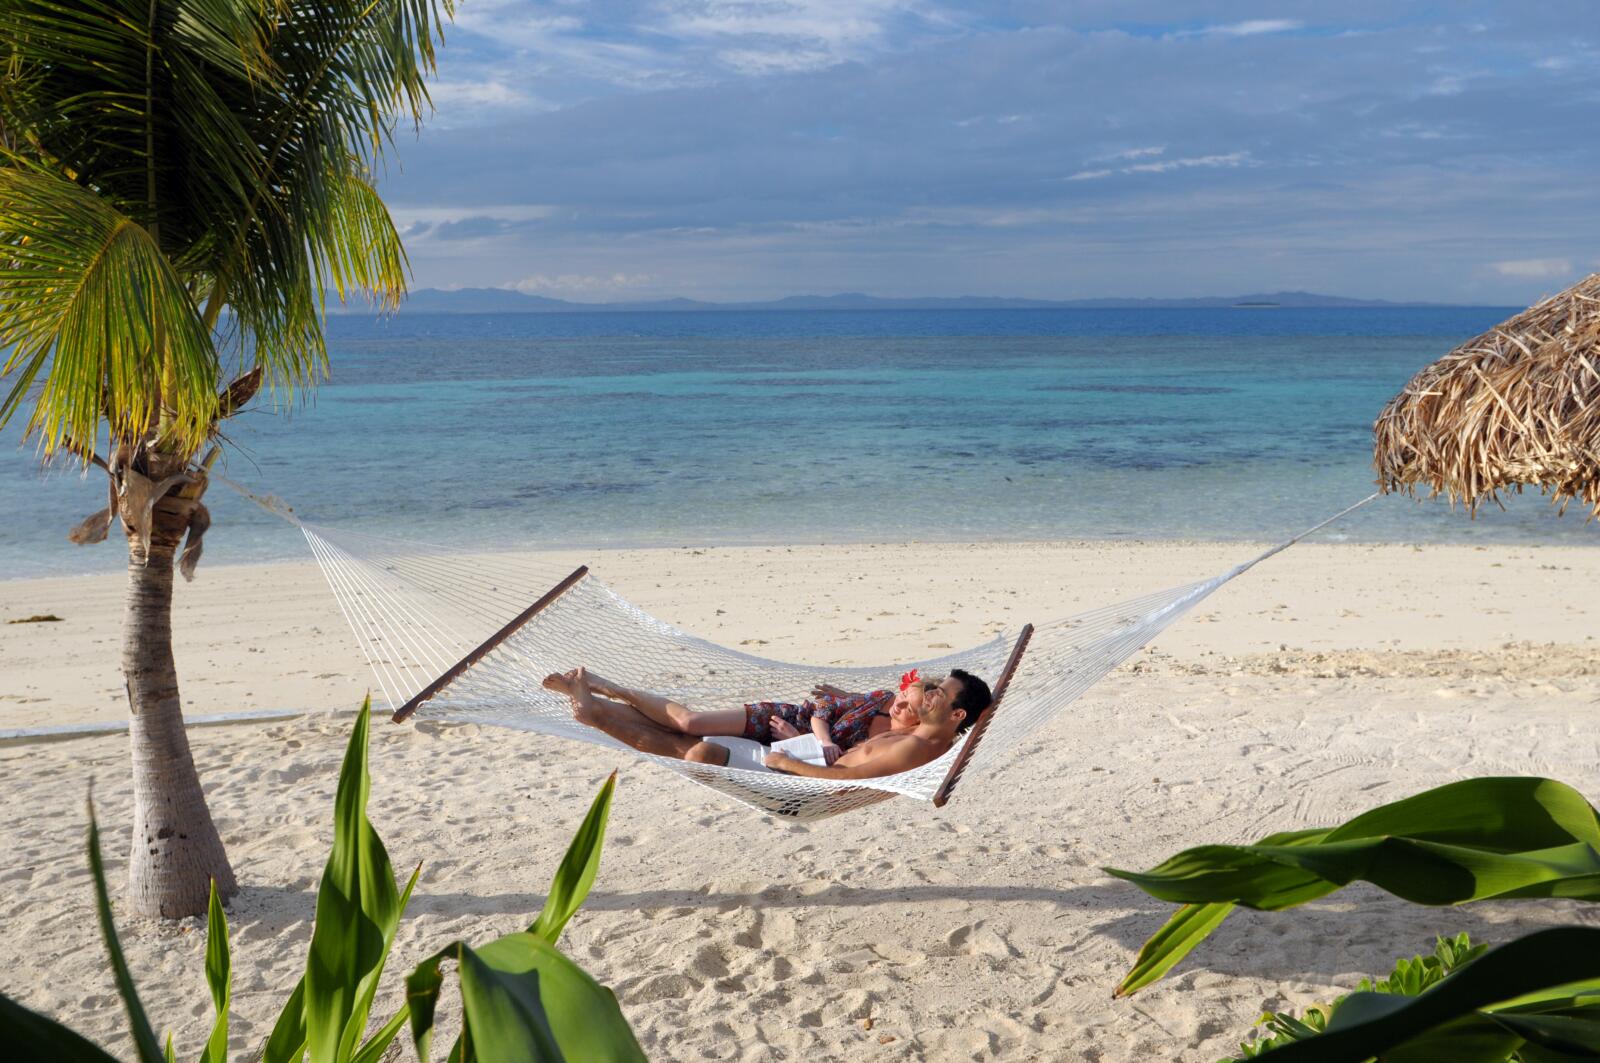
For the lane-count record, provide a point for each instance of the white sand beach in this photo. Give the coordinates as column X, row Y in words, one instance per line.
column 1329, row 680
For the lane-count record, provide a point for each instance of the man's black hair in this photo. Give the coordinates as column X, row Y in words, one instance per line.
column 974, row 699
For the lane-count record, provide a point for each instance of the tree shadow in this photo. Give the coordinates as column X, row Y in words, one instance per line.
column 258, row 902
column 1360, row 930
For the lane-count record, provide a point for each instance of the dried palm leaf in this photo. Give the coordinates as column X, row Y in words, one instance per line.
column 1518, row 405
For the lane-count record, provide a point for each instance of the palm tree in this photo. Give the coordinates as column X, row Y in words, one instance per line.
column 182, row 183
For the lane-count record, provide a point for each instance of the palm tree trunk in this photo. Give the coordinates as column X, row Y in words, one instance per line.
column 176, row 850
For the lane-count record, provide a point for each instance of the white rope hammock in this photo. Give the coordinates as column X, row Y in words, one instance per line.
column 468, row 638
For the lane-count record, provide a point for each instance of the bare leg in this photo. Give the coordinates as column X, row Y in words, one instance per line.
column 659, row 710
column 628, row 725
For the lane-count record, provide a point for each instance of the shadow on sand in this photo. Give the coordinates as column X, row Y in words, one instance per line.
column 1363, row 931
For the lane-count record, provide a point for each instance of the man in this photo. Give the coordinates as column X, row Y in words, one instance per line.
column 946, row 711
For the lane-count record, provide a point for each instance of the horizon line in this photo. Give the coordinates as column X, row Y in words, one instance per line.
column 1248, row 300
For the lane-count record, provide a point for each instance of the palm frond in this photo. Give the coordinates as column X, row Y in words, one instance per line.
column 244, row 147
column 360, row 250
column 85, row 291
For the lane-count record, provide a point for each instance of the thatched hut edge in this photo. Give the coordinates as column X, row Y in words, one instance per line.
column 1518, row 405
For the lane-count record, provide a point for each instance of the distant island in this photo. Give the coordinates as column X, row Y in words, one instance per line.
column 510, row 301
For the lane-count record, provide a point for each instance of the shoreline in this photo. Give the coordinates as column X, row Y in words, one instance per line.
column 633, row 546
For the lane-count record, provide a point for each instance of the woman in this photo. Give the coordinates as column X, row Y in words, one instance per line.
column 839, row 720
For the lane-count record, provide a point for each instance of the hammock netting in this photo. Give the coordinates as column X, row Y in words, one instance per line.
column 418, row 610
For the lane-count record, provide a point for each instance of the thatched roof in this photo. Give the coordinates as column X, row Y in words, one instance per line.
column 1517, row 405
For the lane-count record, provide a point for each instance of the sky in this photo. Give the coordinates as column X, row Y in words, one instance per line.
column 636, row 149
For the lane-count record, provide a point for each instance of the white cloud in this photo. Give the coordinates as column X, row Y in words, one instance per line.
column 1131, row 153
column 405, row 216
column 1534, row 268
column 475, row 93
column 1231, row 159
column 511, row 22
column 779, row 61
column 835, row 22
column 1254, row 27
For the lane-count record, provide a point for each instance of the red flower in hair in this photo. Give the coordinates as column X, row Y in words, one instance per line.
column 907, row 678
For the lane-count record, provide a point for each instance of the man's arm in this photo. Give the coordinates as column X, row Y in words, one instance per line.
column 885, row 759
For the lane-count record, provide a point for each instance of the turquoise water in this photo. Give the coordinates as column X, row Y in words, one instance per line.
column 623, row 429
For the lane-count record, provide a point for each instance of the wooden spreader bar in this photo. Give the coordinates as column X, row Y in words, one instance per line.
column 975, row 734
column 455, row 670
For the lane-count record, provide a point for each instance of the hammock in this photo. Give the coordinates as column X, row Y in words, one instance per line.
column 468, row 638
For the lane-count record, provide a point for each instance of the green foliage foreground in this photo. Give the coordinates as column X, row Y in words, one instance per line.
column 1536, row 1000
column 522, row 999
column 1503, row 838
column 1410, row 977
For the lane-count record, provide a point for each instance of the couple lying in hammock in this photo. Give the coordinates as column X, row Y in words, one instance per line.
column 862, row 735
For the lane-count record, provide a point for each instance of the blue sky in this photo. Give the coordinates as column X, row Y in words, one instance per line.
column 743, row 150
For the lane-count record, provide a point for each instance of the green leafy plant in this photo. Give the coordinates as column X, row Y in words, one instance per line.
column 522, row 999
column 1410, row 977
column 1535, row 1000
column 1512, row 837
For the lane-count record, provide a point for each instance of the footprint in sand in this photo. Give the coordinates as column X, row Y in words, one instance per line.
column 670, row 986
column 709, row 962
column 980, row 939
column 900, row 957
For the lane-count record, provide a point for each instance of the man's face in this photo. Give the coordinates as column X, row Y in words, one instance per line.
column 938, row 704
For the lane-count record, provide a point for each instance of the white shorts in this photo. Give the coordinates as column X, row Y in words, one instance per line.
column 743, row 753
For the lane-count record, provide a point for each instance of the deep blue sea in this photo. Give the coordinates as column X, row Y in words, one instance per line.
column 819, row 426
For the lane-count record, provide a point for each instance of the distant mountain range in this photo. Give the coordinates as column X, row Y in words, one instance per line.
column 508, row 301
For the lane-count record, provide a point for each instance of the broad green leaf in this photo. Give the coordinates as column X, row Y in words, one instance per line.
column 1474, row 840
column 144, row 1038
column 575, row 876
column 503, row 1019
column 358, row 911
column 287, row 1042
column 1577, row 1032
column 219, row 976
column 423, row 986
column 29, row 1035
column 583, row 1014
column 1449, row 1021
column 1188, row 927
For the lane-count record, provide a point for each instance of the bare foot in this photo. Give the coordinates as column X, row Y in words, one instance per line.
column 560, row 682
column 584, row 710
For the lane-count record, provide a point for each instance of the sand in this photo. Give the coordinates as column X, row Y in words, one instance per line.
column 1330, row 680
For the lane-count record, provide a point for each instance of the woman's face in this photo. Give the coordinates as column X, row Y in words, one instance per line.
column 903, row 717
column 910, row 699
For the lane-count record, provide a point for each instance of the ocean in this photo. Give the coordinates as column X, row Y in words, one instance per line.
column 625, row 429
